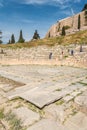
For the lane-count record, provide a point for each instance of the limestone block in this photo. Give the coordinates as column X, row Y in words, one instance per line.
column 28, row 117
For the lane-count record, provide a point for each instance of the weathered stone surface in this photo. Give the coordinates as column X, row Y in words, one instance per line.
column 75, row 93
column 2, row 93
column 6, row 87
column 46, row 124
column 68, row 98
column 2, row 100
column 81, row 102
column 41, row 98
column 72, row 22
column 28, row 117
column 82, row 99
column 56, row 112
column 40, row 55
column 45, row 85
column 78, row 121
column 49, row 88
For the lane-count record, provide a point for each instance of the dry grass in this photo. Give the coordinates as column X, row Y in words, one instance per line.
column 78, row 37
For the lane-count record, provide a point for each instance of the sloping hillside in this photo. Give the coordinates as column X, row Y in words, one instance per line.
column 70, row 24
column 79, row 37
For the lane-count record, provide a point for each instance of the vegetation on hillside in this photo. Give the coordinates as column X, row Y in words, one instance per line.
column 12, row 39
column 85, row 17
column 63, row 31
column 36, row 35
column 85, row 7
column 21, row 39
column 79, row 22
column 66, row 27
column 79, row 37
column 0, row 37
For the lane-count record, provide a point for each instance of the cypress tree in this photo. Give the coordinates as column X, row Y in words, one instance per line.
column 49, row 35
column 21, row 39
column 59, row 27
column 12, row 39
column 85, row 17
column 79, row 22
column 63, row 31
column 0, row 37
column 9, row 42
column 36, row 35
column 85, row 7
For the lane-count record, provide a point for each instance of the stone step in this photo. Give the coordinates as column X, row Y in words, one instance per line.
column 76, row 122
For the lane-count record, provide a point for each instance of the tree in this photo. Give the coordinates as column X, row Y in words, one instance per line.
column 85, row 17
column 63, row 31
column 9, row 42
column 79, row 22
column 36, row 35
column 12, row 39
column 0, row 37
column 85, row 7
column 0, row 41
column 49, row 35
column 21, row 39
column 59, row 27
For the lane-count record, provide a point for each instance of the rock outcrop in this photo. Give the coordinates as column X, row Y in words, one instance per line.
column 70, row 24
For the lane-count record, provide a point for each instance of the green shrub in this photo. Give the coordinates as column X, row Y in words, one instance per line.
column 67, row 27
column 1, row 113
column 13, row 121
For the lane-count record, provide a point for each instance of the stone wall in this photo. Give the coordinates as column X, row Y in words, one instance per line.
column 40, row 55
column 71, row 22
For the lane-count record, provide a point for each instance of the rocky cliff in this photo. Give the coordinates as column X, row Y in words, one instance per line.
column 70, row 24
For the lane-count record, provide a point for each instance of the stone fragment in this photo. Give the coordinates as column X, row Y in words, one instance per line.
column 46, row 124
column 2, row 100
column 77, row 122
column 68, row 98
column 28, row 117
column 81, row 102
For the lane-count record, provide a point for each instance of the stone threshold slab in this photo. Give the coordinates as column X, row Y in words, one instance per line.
column 38, row 96
column 42, row 98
